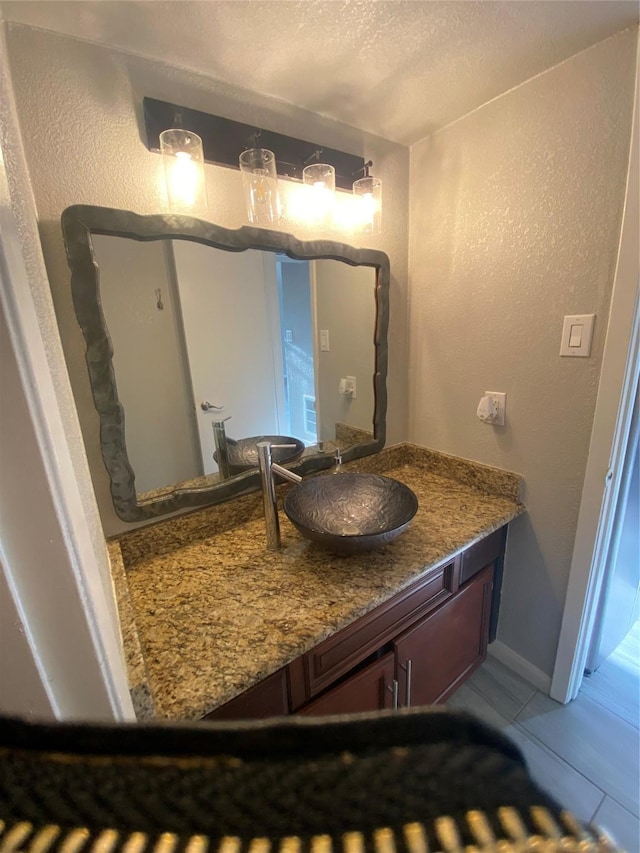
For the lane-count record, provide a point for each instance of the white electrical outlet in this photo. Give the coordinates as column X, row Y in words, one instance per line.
column 351, row 387
column 348, row 387
column 499, row 398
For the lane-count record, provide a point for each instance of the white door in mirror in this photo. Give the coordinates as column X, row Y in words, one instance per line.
column 491, row 408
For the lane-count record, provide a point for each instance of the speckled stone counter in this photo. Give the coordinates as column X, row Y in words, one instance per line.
column 214, row 612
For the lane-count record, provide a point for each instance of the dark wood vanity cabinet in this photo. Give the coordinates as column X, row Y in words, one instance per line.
column 269, row 698
column 439, row 652
column 415, row 649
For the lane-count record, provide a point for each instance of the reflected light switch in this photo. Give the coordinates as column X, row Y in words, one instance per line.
column 324, row 340
column 577, row 331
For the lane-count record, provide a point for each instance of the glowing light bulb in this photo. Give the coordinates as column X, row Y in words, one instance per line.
column 183, row 169
column 260, row 183
column 320, row 181
column 368, row 194
column 184, row 180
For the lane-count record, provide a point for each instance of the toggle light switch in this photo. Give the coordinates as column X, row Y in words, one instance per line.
column 577, row 331
column 575, row 335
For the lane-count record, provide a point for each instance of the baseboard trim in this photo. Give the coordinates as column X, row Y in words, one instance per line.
column 536, row 677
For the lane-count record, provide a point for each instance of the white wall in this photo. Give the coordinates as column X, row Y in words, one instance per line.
column 515, row 220
column 80, row 107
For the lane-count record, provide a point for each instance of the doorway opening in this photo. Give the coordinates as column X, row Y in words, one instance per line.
column 297, row 337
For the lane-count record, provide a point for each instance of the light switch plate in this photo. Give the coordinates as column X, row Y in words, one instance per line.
column 577, row 332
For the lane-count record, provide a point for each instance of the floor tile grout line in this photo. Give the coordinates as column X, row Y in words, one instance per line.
column 597, row 809
column 489, row 700
column 520, row 710
column 541, row 744
column 607, row 707
column 573, row 767
column 621, row 806
column 518, row 725
column 515, row 719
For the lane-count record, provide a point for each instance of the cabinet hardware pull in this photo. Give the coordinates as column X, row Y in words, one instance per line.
column 407, row 668
column 394, row 693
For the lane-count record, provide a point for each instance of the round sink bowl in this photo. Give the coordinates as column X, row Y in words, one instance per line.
column 243, row 453
column 349, row 512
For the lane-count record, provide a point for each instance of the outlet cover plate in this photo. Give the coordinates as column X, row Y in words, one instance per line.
column 499, row 397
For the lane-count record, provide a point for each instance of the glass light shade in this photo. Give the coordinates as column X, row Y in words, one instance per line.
column 183, row 161
column 260, row 183
column 367, row 193
column 320, row 180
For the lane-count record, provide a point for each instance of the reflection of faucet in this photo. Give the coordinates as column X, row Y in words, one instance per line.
column 267, row 469
column 220, row 441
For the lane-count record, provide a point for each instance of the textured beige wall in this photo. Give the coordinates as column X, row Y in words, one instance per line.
column 515, row 217
column 79, row 107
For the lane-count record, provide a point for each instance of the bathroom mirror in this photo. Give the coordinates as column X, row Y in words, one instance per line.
column 187, row 323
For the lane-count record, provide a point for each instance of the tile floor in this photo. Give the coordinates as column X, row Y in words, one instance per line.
column 586, row 753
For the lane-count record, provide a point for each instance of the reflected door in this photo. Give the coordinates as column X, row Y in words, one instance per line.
column 142, row 313
column 229, row 307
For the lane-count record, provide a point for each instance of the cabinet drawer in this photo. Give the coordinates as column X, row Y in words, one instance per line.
column 346, row 649
column 269, row 698
column 482, row 554
column 367, row 690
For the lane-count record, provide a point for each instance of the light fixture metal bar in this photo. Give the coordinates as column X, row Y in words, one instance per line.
column 223, row 141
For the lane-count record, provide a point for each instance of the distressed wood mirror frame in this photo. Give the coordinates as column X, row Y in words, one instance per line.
column 79, row 222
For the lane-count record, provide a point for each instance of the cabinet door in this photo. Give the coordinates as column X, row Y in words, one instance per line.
column 369, row 690
column 436, row 654
column 269, row 698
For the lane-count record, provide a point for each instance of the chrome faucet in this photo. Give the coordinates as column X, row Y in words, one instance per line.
column 220, row 441
column 267, row 469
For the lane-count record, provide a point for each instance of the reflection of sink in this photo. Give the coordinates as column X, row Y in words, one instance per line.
column 350, row 512
column 243, row 453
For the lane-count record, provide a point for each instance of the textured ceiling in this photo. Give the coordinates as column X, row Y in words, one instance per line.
column 396, row 68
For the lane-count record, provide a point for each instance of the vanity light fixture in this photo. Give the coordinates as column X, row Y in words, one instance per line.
column 225, row 140
column 367, row 192
column 183, row 160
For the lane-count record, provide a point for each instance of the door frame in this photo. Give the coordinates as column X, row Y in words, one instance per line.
column 55, row 565
column 611, row 425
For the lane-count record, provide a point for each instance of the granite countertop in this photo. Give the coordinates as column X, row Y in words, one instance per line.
column 207, row 611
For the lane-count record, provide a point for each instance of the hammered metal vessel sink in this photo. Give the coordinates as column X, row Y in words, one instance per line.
column 350, row 512
column 243, row 453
